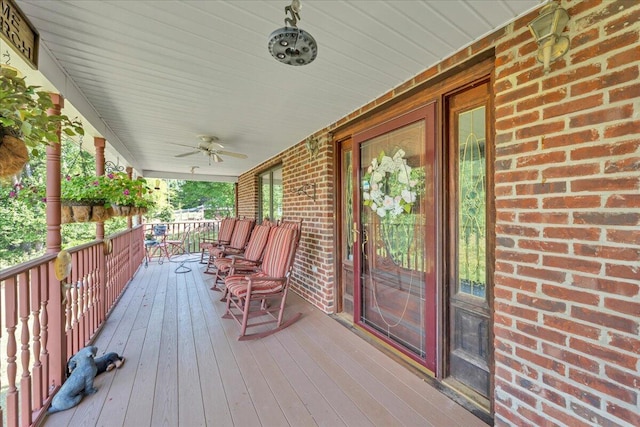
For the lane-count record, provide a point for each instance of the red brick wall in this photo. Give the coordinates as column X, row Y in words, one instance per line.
column 313, row 275
column 567, row 302
column 567, row 186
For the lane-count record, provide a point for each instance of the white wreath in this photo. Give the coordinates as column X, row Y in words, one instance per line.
column 388, row 187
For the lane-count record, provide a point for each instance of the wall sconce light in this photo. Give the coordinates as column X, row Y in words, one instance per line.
column 313, row 145
column 546, row 29
column 157, row 185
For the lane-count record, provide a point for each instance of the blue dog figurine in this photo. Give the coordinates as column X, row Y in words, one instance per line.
column 79, row 383
column 104, row 363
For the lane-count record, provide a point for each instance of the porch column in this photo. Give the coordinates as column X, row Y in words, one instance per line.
column 54, row 237
column 55, row 345
column 129, row 226
column 130, row 175
column 99, row 143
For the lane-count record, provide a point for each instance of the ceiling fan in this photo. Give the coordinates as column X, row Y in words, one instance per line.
column 209, row 146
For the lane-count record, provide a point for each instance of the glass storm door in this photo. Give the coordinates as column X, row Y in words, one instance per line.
column 395, row 287
column 347, row 246
column 469, row 286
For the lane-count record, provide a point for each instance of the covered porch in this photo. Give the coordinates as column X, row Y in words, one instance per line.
column 185, row 366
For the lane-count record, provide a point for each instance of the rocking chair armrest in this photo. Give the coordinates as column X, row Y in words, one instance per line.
column 264, row 279
column 243, row 269
column 254, row 264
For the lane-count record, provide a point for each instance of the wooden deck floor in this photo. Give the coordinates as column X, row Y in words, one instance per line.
column 185, row 367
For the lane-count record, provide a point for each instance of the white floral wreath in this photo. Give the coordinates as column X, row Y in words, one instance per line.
column 387, row 185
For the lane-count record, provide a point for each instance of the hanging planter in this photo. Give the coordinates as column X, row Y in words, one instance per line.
column 13, row 155
column 82, row 212
column 66, row 214
column 82, row 199
column 99, row 213
column 125, row 195
column 24, row 122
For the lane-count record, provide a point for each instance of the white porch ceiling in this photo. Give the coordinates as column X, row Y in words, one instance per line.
column 159, row 73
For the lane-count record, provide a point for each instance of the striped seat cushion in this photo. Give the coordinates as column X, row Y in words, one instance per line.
column 275, row 262
column 217, row 252
column 257, row 242
column 226, row 229
column 237, row 285
column 241, row 233
column 224, row 264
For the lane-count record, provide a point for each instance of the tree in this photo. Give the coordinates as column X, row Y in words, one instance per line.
column 217, row 197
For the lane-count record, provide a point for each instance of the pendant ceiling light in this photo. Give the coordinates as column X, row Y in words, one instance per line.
column 291, row 45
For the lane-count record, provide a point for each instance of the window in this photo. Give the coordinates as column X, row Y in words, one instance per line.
column 271, row 195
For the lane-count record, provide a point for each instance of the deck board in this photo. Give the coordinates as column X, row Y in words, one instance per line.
column 185, row 367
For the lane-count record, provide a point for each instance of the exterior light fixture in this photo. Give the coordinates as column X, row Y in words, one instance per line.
column 312, row 145
column 216, row 158
column 157, row 185
column 291, row 45
column 546, row 29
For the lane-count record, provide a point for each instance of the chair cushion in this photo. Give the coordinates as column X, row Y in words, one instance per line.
column 257, row 242
column 241, row 233
column 276, row 256
column 237, row 285
column 217, row 252
column 226, row 229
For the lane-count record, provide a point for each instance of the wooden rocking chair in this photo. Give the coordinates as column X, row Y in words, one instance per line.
column 224, row 238
column 246, row 261
column 249, row 294
column 236, row 244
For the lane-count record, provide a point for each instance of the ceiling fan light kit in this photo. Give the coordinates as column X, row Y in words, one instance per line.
column 291, row 45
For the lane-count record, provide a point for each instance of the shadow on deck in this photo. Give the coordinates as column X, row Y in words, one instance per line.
column 184, row 366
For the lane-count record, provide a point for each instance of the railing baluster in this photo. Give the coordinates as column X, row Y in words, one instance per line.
column 34, row 285
column 25, row 353
column 44, row 324
column 11, row 318
column 29, row 298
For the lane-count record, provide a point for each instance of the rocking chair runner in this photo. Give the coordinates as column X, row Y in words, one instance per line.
column 236, row 245
column 224, row 237
column 270, row 282
column 241, row 262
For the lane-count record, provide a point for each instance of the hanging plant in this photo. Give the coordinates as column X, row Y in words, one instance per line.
column 83, row 199
column 24, row 122
column 126, row 196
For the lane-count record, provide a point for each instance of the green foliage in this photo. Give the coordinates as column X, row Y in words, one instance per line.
column 120, row 190
column 165, row 215
column 23, row 210
column 84, row 189
column 211, row 195
column 111, row 189
column 23, row 112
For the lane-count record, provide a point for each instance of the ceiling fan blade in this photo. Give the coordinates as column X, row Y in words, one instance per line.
column 232, row 154
column 187, row 154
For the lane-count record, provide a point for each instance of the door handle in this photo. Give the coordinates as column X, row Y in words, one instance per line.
column 355, row 232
